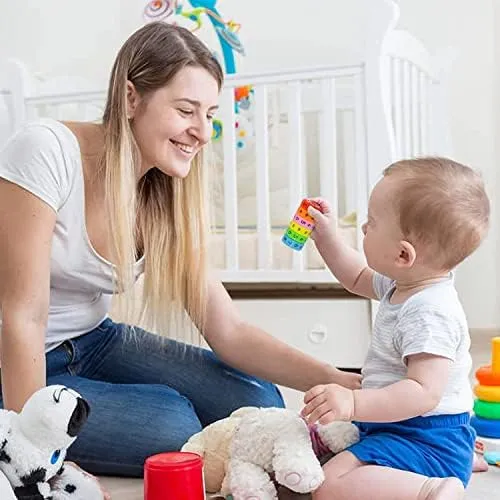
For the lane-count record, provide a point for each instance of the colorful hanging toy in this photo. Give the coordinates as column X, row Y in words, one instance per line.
column 227, row 34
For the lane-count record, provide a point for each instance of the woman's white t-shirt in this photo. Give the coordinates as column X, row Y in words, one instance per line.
column 45, row 159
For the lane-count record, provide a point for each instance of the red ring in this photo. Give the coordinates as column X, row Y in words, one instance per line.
column 485, row 376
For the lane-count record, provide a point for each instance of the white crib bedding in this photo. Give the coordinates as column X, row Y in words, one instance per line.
column 281, row 254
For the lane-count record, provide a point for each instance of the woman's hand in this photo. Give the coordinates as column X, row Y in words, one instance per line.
column 347, row 379
column 107, row 496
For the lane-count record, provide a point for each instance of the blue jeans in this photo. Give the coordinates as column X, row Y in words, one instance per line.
column 147, row 394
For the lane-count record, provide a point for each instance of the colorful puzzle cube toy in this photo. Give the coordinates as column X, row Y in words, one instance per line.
column 301, row 226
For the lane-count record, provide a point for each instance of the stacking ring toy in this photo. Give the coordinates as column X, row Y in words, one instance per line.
column 488, row 393
column 486, row 376
column 492, row 457
column 301, row 226
column 486, row 428
column 490, row 374
column 487, row 410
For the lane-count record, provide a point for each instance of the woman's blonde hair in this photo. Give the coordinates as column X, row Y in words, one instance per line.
column 162, row 217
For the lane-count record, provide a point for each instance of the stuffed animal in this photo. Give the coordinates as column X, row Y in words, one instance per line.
column 33, row 445
column 243, row 452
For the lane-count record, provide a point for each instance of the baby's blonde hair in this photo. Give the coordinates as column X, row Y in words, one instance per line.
column 442, row 205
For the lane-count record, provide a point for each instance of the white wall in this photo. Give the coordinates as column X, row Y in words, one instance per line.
column 496, row 106
column 56, row 37
column 468, row 26
column 81, row 38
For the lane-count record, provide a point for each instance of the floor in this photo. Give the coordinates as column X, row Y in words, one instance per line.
column 482, row 486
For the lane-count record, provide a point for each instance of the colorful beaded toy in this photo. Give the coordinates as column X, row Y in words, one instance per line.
column 301, row 226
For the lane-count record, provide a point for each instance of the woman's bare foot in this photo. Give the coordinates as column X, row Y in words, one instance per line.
column 479, row 464
column 449, row 488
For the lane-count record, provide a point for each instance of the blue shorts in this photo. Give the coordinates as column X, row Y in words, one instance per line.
column 435, row 446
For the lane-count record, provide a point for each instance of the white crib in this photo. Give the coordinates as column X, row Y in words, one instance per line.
column 325, row 131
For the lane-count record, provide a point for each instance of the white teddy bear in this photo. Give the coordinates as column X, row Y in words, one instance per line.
column 243, row 451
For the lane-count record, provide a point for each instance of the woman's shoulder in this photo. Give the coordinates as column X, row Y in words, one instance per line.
column 43, row 157
column 41, row 137
column 44, row 131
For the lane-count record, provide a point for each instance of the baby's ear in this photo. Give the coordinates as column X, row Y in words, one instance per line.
column 406, row 255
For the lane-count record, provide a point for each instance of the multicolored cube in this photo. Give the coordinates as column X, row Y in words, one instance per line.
column 301, row 226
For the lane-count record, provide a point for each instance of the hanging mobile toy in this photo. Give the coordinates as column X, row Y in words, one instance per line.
column 158, row 10
column 227, row 33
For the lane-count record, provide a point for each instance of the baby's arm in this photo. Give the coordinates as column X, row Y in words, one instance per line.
column 427, row 341
column 419, row 393
column 345, row 262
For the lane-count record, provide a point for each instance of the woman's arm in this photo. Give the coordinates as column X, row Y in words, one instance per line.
column 257, row 353
column 26, row 229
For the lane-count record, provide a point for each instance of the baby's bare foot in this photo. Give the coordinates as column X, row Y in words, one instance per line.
column 479, row 464
column 449, row 488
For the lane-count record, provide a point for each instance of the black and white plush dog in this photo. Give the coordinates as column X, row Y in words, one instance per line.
column 33, row 446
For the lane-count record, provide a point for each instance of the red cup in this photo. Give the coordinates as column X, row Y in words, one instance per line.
column 174, row 476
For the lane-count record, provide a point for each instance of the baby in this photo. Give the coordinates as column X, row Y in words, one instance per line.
column 425, row 216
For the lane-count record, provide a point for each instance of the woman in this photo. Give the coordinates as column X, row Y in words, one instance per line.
column 85, row 209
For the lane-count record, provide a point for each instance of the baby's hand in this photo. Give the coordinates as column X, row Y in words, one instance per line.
column 324, row 220
column 327, row 403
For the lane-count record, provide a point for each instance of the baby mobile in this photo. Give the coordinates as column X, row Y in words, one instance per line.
column 197, row 11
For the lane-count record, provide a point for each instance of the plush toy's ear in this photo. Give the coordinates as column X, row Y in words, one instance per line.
column 195, row 444
column 245, row 410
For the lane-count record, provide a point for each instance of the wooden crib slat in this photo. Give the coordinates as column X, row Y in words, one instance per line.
column 397, row 104
column 328, row 143
column 361, row 157
column 56, row 112
column 406, row 148
column 296, row 165
column 264, row 242
column 230, row 179
column 424, row 103
column 416, row 145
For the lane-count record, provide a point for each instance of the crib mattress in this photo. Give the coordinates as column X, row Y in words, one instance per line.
column 282, row 256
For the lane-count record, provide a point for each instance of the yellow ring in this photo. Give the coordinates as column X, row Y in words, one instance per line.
column 488, row 393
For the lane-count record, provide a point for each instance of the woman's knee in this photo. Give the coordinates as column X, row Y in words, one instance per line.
column 127, row 424
column 270, row 396
column 173, row 422
column 253, row 391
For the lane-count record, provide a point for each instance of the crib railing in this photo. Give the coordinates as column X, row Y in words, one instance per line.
column 331, row 158
column 411, row 87
column 291, row 95
column 328, row 96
